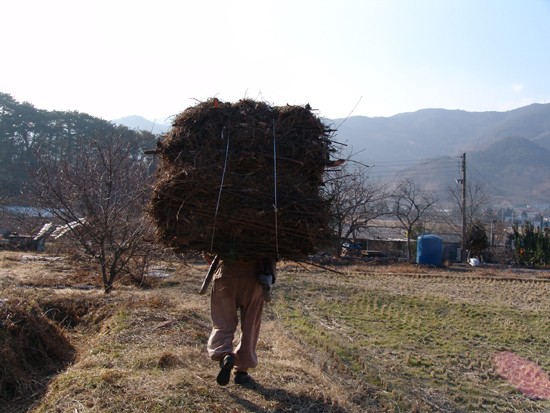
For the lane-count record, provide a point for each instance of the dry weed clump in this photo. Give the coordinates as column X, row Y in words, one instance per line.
column 31, row 349
column 46, row 271
column 71, row 310
column 8, row 259
column 168, row 360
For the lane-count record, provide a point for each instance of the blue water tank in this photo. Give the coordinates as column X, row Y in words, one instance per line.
column 429, row 249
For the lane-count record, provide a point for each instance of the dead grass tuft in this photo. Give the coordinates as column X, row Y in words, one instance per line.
column 8, row 259
column 66, row 311
column 169, row 360
column 31, row 349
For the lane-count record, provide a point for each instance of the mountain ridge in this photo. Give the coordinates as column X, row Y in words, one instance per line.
column 435, row 132
column 512, row 170
column 140, row 123
column 510, row 150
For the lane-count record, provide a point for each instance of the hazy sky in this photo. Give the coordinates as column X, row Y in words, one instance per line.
column 153, row 58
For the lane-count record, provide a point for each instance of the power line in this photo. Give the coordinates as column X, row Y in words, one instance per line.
column 489, row 182
column 432, row 160
column 414, row 167
column 429, row 171
column 413, row 163
column 393, row 167
column 425, row 168
column 420, row 166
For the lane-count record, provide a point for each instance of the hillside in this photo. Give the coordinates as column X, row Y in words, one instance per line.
column 428, row 133
column 27, row 131
column 433, row 174
column 518, row 167
column 508, row 152
column 511, row 169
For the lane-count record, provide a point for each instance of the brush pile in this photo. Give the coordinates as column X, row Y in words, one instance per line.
column 243, row 180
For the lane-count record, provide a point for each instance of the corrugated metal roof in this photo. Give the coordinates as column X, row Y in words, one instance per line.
column 382, row 234
column 396, row 234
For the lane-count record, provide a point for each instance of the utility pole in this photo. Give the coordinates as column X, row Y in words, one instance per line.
column 463, row 206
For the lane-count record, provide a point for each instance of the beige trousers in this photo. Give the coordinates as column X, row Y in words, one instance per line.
column 229, row 296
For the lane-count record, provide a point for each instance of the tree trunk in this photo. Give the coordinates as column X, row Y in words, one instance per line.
column 107, row 288
column 107, row 281
column 409, row 245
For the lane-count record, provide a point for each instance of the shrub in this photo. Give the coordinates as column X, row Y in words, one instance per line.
column 531, row 245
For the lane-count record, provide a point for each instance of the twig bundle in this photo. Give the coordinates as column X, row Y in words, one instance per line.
column 243, row 181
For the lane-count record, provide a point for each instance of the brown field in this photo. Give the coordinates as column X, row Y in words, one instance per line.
column 371, row 338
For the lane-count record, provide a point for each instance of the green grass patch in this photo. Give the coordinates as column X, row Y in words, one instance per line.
column 417, row 345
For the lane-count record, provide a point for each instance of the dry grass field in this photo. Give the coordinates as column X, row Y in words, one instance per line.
column 372, row 338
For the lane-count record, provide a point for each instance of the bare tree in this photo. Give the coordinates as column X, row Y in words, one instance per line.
column 99, row 193
column 357, row 199
column 410, row 205
column 477, row 203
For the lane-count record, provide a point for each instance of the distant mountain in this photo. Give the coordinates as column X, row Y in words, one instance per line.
column 516, row 170
column 428, row 133
column 518, row 167
column 140, row 123
column 507, row 151
column 433, row 174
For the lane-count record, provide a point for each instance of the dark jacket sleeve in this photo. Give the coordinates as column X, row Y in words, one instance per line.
column 267, row 264
column 273, row 268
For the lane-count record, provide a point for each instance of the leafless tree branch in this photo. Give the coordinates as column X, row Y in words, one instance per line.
column 410, row 205
column 103, row 188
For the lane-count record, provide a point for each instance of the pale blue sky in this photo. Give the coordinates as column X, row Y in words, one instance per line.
column 152, row 58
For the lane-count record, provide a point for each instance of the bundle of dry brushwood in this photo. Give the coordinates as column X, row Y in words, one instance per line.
column 243, row 181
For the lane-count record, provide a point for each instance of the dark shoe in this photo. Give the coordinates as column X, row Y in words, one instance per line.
column 243, row 379
column 226, row 365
